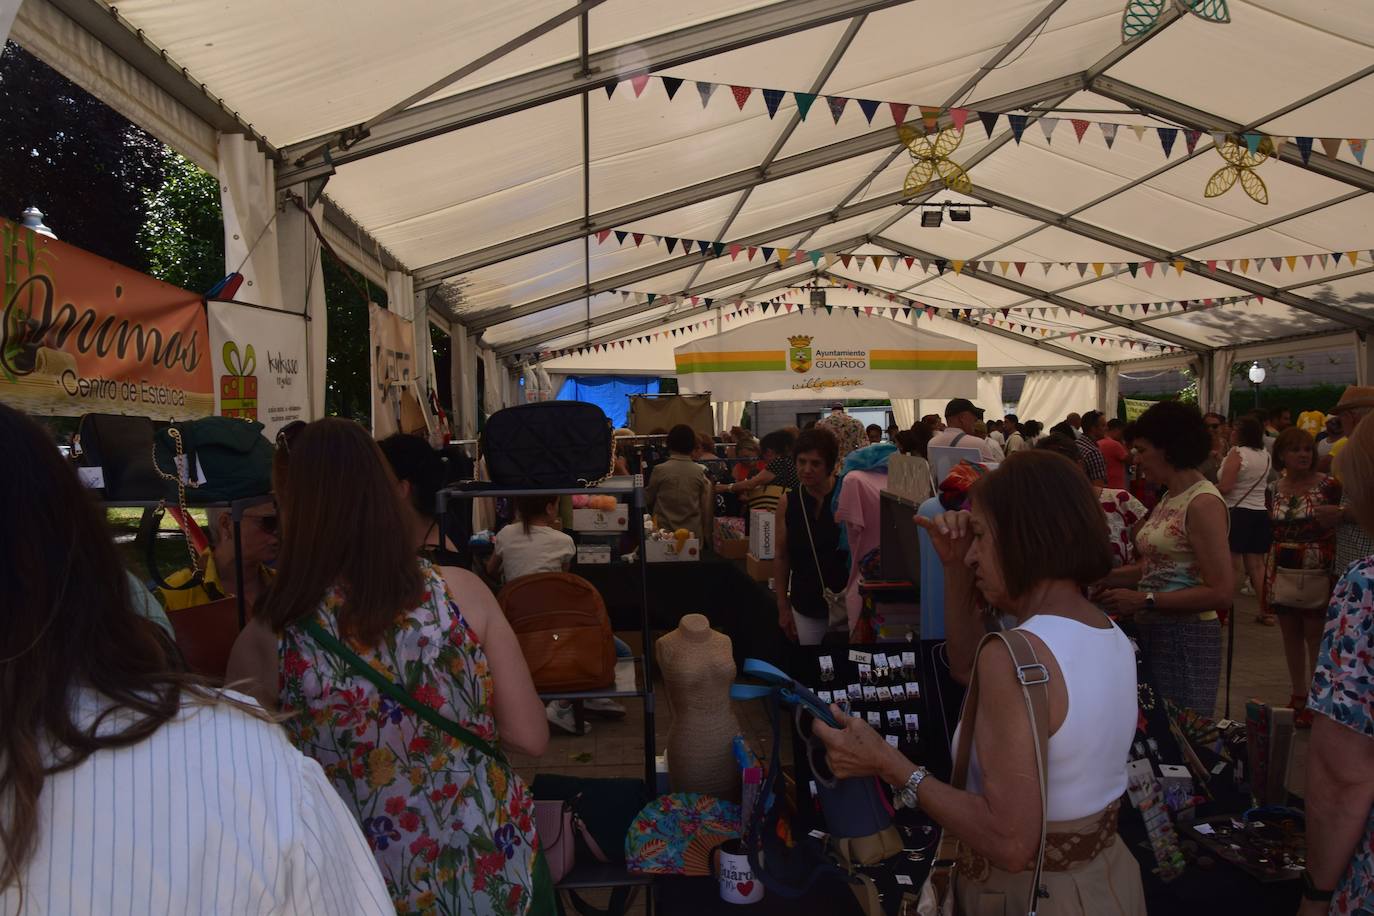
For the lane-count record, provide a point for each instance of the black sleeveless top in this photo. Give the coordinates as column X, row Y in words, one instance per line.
column 807, row 597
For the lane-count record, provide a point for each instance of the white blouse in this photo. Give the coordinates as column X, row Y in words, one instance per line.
column 216, row 812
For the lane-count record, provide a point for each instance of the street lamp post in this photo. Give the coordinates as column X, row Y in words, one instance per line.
column 1257, row 378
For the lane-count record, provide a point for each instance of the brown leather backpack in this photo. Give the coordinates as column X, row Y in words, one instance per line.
column 563, row 629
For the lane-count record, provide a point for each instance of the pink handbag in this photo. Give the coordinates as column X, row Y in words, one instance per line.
column 553, row 823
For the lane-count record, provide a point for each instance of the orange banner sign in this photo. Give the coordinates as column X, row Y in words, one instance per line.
column 80, row 334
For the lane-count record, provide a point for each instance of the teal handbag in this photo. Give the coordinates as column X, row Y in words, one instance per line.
column 232, row 455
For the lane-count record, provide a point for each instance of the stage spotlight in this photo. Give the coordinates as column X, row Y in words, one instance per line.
column 930, row 219
column 818, row 298
column 960, row 214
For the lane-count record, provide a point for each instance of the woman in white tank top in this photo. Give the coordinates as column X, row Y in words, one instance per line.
column 1243, row 482
column 1031, row 560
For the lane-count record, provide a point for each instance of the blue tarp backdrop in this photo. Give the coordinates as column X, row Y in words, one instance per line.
column 609, row 392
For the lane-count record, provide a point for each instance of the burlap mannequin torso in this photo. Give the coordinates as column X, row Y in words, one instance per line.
column 698, row 667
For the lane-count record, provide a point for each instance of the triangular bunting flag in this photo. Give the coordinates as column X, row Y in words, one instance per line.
column 1308, row 259
column 815, row 257
column 930, row 117
column 1245, row 265
column 638, row 237
column 767, row 254
column 1352, row 255
column 844, row 259
column 989, row 119
column 741, row 94
column 670, row 242
column 899, row 110
column 1167, row 136
column 1020, row 268
column 877, row 260
column 1356, row 149
column 804, row 100
column 1149, row 268
column 705, row 90
column 610, row 89
column 958, row 117
column 1304, row 147
column 1179, row 266
column 1080, row 127
column 892, row 260
column 1082, row 268
column 752, row 251
column 1252, row 142
column 906, row 312
column 772, row 98
column 941, row 265
column 1323, row 258
column 602, row 236
column 671, row 84
column 958, row 266
column 1139, row 131
column 1133, row 267
column 718, row 248
column 652, row 297
column 1190, row 137
column 1331, row 146
column 1108, row 132
column 782, row 255
column 869, row 108
column 1047, row 125
column 909, row 262
column 1276, row 263
column 836, row 103
column 1018, row 126
column 620, row 236
column 639, row 81
column 1002, row 266
column 1097, row 267
column 868, row 310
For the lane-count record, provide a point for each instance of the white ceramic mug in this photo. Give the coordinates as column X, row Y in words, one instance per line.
column 738, row 884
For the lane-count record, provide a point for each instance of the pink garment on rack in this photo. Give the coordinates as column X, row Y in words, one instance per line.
column 860, row 505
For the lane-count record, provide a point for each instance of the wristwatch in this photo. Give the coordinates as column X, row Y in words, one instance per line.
column 905, row 796
column 1310, row 891
column 1149, row 601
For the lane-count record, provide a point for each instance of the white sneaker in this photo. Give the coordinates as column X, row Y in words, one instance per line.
column 560, row 713
column 1245, row 589
column 604, row 706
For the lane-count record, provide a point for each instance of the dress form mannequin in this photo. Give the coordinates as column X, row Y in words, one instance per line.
column 698, row 667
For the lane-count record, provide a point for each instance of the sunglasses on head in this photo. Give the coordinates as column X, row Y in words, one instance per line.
column 288, row 433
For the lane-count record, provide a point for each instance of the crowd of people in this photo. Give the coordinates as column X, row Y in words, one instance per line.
column 360, row 766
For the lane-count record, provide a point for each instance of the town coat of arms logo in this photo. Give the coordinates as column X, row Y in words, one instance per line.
column 799, row 356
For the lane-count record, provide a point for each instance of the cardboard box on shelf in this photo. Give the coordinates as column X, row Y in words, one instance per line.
column 732, row 550
column 759, row 570
column 668, row 552
column 727, row 538
column 761, row 533
column 601, row 519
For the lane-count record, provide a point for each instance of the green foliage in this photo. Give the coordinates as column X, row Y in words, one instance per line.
column 83, row 164
column 183, row 226
column 1314, row 397
column 347, row 391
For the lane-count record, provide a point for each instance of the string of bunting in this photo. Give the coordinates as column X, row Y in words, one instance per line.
column 1324, row 260
column 904, row 306
column 929, row 115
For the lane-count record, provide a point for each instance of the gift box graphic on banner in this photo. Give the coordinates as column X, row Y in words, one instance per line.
column 238, row 390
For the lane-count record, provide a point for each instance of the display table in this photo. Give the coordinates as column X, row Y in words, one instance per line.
column 701, row 896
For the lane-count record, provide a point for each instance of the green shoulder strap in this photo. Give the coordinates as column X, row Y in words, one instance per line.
column 391, row 689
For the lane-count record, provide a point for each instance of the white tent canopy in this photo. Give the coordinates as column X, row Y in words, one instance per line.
column 496, row 155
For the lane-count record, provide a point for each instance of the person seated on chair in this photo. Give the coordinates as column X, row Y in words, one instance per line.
column 680, row 495
column 258, row 537
column 531, row 544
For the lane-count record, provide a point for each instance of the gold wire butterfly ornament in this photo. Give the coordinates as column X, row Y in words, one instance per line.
column 931, row 155
column 1141, row 16
column 1241, row 163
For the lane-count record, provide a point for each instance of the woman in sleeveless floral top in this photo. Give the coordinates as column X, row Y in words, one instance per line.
column 451, row 828
column 1184, row 577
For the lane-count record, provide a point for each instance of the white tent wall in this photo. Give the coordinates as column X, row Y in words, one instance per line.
column 904, row 412
column 1109, row 389
column 989, row 395
column 463, row 373
column 248, row 196
column 301, row 275
column 495, row 383
column 728, row 414
column 1051, row 396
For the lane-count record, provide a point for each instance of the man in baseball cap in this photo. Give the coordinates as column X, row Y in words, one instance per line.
column 961, row 415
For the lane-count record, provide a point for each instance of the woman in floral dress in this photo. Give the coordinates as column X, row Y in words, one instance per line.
column 451, row 827
column 1304, row 510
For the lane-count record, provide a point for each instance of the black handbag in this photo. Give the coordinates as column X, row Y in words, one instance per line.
column 549, row 444
column 121, row 447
